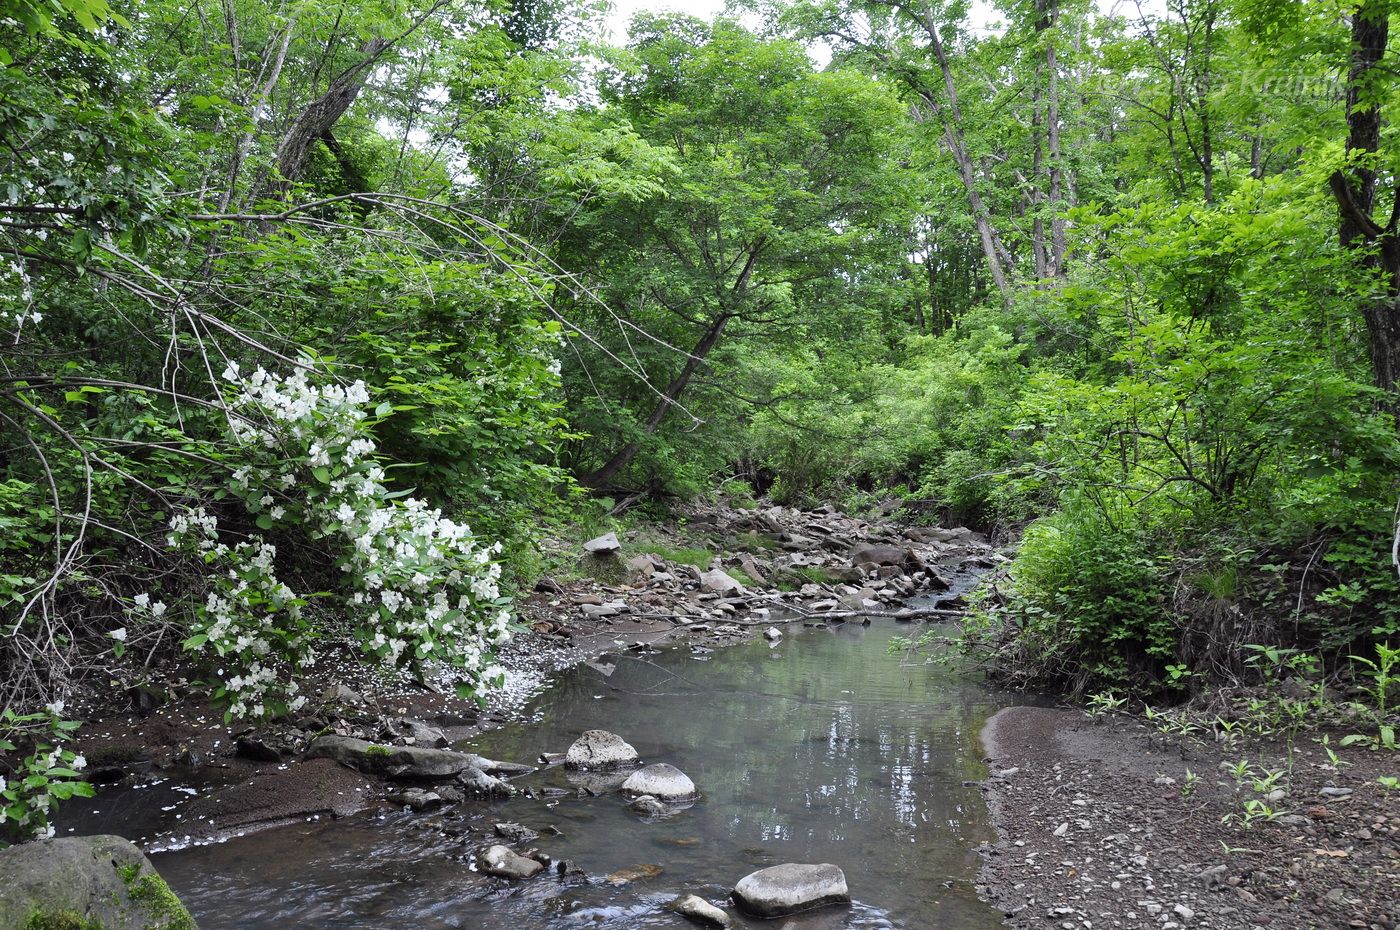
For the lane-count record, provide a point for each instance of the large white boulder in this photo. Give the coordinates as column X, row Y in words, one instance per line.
column 790, row 888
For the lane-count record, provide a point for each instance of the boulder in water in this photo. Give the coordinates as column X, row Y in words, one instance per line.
column 662, row 781
column 599, row 749
column 699, row 910
column 405, row 762
column 790, row 888
column 503, row 862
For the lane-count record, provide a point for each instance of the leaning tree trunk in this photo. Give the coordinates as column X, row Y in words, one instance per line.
column 669, row 397
column 316, row 121
column 998, row 259
column 1355, row 191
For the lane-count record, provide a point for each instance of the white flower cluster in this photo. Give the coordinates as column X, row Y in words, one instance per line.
column 17, row 299
column 422, row 588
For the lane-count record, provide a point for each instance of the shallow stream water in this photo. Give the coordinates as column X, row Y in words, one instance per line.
column 821, row 748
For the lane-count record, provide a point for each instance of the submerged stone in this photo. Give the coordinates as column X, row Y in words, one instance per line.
column 790, row 888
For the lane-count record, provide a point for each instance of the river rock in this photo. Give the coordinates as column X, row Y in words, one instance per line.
column 720, row 582
column 418, row 799
column 647, row 805
column 878, row 553
column 699, row 910
column 339, row 694
column 403, row 762
column 641, row 566
column 599, row 749
column 772, row 634
column 661, row 780
column 599, row 545
column 478, row 783
column 515, row 832
column 417, row 732
column 503, row 862
column 634, row 873
column 99, row 881
column 789, row 888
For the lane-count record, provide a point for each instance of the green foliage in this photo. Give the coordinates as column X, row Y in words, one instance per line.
column 699, row 558
column 46, row 774
column 1091, row 599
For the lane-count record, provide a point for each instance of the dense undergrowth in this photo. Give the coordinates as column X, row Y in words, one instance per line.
column 317, row 319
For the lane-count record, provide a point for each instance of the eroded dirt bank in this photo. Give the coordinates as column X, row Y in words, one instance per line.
column 1111, row 823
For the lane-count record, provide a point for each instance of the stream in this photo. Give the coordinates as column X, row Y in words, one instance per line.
column 820, row 748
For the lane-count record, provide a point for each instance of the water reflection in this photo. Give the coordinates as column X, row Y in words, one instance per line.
column 832, row 752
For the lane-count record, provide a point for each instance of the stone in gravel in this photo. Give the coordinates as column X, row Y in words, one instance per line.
column 259, row 749
column 720, row 582
column 339, row 694
column 502, row 862
column 599, row 749
column 1184, row 912
column 661, row 780
column 516, row 833
column 790, row 888
column 417, row 798
column 608, row 542
column 699, row 910
column 418, row 732
column 878, row 554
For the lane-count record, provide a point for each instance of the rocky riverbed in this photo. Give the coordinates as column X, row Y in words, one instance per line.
column 771, row 567
column 1099, row 823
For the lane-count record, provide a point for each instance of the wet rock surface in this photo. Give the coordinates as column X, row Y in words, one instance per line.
column 699, row 910
column 503, row 862
column 791, row 888
column 662, row 781
column 599, row 749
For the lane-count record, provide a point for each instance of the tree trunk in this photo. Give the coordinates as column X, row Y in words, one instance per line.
column 1355, row 191
column 669, row 397
column 1038, row 248
column 321, row 115
column 1052, row 135
column 992, row 248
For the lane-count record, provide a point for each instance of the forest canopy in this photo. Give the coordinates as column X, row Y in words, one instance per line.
column 316, row 317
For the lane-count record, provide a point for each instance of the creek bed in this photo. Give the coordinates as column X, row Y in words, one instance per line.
column 820, row 748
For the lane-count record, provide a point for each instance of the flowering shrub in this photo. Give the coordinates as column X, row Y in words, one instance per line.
column 419, row 587
column 49, row 774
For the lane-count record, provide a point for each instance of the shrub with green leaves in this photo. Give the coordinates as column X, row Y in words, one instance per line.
column 45, row 773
